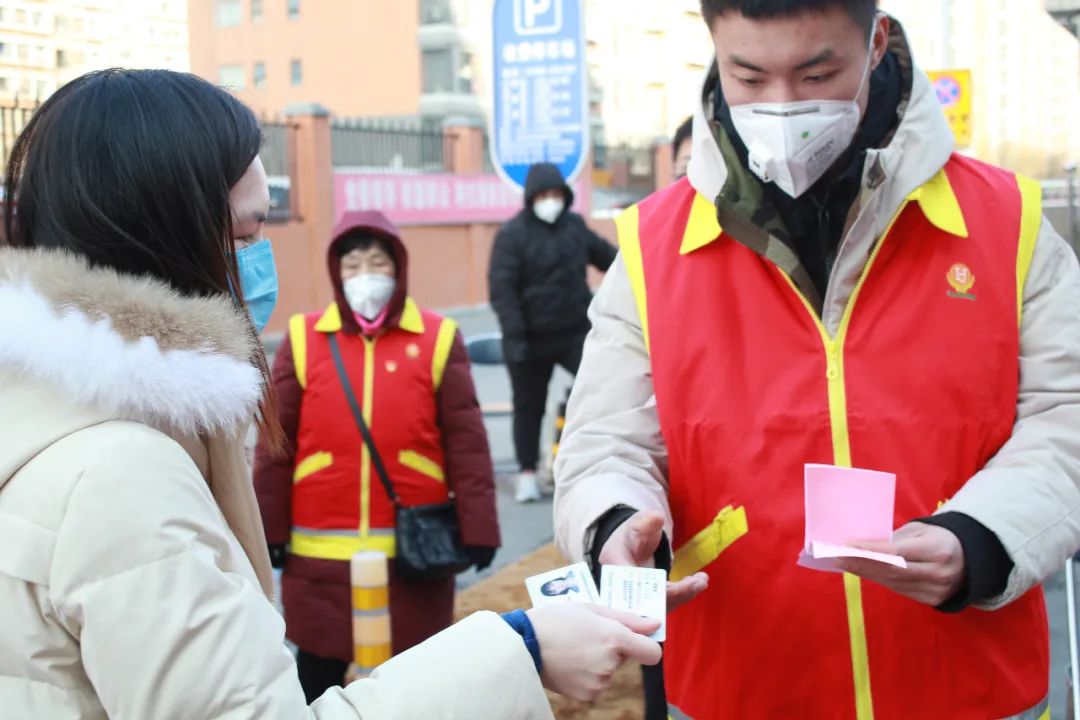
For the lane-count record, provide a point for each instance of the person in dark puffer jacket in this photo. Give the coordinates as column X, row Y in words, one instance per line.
column 538, row 288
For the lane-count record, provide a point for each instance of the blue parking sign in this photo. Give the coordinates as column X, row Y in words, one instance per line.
column 540, row 88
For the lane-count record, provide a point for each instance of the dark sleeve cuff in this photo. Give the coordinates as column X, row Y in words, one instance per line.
column 523, row 626
column 987, row 565
column 277, row 556
column 608, row 523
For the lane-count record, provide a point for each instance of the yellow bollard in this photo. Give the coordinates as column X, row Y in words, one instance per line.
column 371, row 613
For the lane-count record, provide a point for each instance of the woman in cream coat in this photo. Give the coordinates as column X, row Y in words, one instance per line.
column 134, row 581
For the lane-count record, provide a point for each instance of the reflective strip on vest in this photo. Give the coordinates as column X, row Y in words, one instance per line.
column 630, row 245
column 443, row 345
column 340, row 544
column 298, row 340
column 1030, row 222
column 1039, row 712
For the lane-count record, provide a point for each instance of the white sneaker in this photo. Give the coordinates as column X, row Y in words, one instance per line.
column 526, row 489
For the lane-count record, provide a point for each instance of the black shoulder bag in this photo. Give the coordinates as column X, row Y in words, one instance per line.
column 427, row 537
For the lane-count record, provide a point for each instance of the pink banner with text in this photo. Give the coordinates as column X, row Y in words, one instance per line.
column 418, row 199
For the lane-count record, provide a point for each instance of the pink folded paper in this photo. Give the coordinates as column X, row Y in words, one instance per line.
column 844, row 505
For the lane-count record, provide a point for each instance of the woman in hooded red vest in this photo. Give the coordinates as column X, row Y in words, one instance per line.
column 410, row 373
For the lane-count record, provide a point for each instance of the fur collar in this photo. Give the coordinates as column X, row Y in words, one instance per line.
column 132, row 347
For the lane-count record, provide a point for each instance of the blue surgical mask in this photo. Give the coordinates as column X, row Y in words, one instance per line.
column 258, row 280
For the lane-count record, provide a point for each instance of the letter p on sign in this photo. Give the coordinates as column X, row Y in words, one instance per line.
column 537, row 17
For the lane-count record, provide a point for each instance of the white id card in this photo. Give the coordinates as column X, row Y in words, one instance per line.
column 571, row 584
column 642, row 591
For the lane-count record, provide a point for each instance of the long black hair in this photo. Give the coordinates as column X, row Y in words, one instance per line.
column 131, row 169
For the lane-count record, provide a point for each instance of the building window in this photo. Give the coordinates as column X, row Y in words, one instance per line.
column 42, row 90
column 447, row 70
column 256, row 10
column 296, row 72
column 231, row 76
column 438, row 70
column 258, row 75
column 4, row 84
column 435, row 12
column 293, row 9
column 20, row 17
column 229, row 13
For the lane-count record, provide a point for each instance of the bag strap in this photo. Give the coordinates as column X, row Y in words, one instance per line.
column 358, row 416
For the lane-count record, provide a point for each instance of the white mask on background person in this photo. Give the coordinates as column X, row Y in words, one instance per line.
column 369, row 293
column 549, row 209
column 794, row 144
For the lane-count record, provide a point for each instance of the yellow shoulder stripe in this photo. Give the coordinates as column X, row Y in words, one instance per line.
column 728, row 526
column 1030, row 222
column 630, row 246
column 298, row 339
column 444, row 343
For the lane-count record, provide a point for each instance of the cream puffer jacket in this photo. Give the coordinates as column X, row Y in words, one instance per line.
column 133, row 577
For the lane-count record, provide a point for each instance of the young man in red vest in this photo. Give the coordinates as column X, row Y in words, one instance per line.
column 832, row 284
column 410, row 374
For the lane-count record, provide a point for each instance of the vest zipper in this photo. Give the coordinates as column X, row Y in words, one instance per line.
column 841, row 442
column 365, row 454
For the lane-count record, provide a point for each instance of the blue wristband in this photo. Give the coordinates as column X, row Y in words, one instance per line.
column 521, row 624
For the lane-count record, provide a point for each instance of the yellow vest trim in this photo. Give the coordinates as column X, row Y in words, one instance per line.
column 411, row 318
column 630, row 246
column 702, row 228
column 330, row 322
column 311, row 465
column 423, row 465
column 444, row 343
column 838, row 420
column 365, row 454
column 939, row 204
column 1030, row 223
column 339, row 547
column 298, row 340
column 728, row 526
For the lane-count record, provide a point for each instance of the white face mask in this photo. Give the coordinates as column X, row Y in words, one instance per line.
column 549, row 209
column 368, row 294
column 793, row 144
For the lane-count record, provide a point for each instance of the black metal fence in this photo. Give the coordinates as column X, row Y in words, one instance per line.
column 14, row 116
column 279, row 158
column 375, row 145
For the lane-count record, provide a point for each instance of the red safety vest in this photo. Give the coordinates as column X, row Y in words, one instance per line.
column 339, row 506
column 921, row 379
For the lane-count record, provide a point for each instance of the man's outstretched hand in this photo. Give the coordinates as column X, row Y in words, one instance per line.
column 634, row 544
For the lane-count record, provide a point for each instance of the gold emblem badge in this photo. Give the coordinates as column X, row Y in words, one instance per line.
column 961, row 280
column 391, row 366
column 412, row 350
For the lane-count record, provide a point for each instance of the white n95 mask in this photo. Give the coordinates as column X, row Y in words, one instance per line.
column 794, row 144
column 369, row 293
column 549, row 209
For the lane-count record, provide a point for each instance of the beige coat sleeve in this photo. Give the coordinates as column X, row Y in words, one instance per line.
column 1029, row 493
column 171, row 623
column 612, row 452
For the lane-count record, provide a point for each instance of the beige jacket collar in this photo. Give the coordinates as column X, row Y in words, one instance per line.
column 80, row 346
